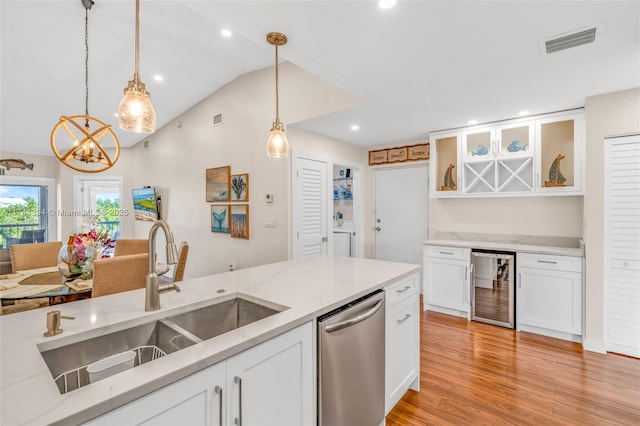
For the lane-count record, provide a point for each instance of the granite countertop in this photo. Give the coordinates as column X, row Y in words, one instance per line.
column 565, row 246
column 308, row 287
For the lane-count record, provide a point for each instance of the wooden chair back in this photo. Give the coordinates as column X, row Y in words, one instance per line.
column 182, row 261
column 34, row 255
column 117, row 274
column 126, row 247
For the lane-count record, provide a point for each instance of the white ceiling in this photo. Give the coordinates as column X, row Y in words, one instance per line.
column 419, row 67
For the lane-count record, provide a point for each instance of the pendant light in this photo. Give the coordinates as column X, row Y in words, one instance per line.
column 277, row 144
column 78, row 142
column 135, row 112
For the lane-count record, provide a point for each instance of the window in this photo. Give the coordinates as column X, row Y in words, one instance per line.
column 101, row 197
column 26, row 210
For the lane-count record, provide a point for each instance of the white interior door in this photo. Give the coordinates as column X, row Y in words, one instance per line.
column 622, row 245
column 400, row 220
column 309, row 207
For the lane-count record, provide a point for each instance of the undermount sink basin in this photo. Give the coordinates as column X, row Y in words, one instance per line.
column 214, row 320
column 111, row 353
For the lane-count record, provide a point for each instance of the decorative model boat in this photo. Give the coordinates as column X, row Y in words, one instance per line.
column 449, row 183
column 555, row 176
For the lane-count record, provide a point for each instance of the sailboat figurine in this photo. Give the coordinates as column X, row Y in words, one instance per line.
column 449, row 183
column 555, row 176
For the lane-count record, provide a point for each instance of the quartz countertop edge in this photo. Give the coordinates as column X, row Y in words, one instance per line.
column 563, row 246
column 309, row 287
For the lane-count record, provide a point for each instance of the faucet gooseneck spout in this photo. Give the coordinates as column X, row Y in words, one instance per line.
column 153, row 288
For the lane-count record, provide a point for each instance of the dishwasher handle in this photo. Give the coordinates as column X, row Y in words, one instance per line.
column 355, row 320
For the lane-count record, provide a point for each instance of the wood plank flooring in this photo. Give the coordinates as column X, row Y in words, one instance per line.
column 479, row 374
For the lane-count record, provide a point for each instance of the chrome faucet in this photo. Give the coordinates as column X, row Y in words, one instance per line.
column 153, row 288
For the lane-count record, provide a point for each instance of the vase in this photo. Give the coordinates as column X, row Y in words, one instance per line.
column 68, row 262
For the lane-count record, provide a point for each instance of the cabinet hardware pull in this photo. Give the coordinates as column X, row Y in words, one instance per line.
column 466, row 272
column 402, row 290
column 238, row 420
column 548, row 261
column 406, row 317
column 446, row 252
column 520, row 280
column 218, row 390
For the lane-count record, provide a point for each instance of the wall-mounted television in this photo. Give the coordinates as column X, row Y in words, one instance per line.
column 145, row 204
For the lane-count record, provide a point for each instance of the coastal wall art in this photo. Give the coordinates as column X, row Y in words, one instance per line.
column 218, row 184
column 240, row 187
column 240, row 221
column 220, row 218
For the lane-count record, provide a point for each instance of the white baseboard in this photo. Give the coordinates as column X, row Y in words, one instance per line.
column 594, row 346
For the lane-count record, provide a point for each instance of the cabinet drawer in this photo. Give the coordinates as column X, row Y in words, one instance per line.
column 448, row 252
column 400, row 290
column 546, row 261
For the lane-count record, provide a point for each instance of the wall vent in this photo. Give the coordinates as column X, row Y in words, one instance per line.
column 572, row 39
column 217, row 120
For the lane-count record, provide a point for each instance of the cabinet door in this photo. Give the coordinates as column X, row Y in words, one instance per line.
column 559, row 143
column 189, row 401
column 402, row 349
column 550, row 299
column 447, row 283
column 272, row 383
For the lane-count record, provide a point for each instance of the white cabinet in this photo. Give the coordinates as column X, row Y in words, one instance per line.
column 447, row 280
column 511, row 157
column 549, row 295
column 274, row 382
column 402, row 343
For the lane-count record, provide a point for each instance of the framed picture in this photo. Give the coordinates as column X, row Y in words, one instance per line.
column 240, row 221
column 220, row 218
column 240, row 187
column 218, row 184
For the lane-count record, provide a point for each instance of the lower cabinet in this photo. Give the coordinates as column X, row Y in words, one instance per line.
column 549, row 295
column 402, row 340
column 269, row 384
column 447, row 280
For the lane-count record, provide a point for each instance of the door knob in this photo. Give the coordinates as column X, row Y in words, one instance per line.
column 378, row 228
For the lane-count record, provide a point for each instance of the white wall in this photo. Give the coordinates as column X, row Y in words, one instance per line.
column 176, row 159
column 607, row 115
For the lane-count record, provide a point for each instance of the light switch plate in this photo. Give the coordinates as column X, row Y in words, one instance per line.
column 268, row 198
column 269, row 222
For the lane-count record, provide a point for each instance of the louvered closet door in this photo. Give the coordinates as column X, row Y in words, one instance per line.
column 622, row 245
column 309, row 205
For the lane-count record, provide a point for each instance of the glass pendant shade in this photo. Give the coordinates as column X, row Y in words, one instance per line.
column 136, row 112
column 277, row 144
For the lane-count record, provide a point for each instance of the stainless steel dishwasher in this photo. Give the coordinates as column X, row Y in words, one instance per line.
column 351, row 363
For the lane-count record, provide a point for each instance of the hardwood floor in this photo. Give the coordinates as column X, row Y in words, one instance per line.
column 479, row 374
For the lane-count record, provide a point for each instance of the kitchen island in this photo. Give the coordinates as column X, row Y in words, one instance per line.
column 307, row 287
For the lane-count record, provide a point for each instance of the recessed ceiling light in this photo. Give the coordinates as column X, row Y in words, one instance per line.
column 525, row 112
column 115, row 114
column 355, row 127
column 473, row 122
column 386, row 4
column 226, row 33
column 158, row 77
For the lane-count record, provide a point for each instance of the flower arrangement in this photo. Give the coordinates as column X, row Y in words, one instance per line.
column 82, row 249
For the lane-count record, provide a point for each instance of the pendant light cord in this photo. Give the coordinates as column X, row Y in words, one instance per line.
column 137, row 58
column 86, row 66
column 277, row 109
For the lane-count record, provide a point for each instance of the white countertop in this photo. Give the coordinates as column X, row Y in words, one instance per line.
column 567, row 246
column 309, row 287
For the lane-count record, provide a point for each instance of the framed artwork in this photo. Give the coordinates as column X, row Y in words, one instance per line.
column 220, row 218
column 240, row 221
column 217, row 180
column 240, row 187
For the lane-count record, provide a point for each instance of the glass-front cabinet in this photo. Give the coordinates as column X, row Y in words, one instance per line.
column 538, row 155
column 444, row 149
column 559, row 151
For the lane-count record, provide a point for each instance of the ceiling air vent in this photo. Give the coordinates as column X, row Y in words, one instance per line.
column 217, row 120
column 572, row 39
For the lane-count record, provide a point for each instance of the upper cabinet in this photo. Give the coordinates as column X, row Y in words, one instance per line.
column 539, row 155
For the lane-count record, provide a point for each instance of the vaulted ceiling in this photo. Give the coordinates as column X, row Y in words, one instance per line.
column 418, row 67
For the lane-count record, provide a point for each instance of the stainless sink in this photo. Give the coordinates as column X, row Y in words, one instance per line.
column 68, row 364
column 214, row 320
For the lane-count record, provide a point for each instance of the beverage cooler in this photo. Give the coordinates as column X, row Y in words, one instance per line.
column 493, row 287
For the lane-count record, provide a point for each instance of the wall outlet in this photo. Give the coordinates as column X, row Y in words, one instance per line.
column 270, row 222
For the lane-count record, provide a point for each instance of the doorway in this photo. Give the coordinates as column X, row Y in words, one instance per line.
column 401, row 213
column 100, row 197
